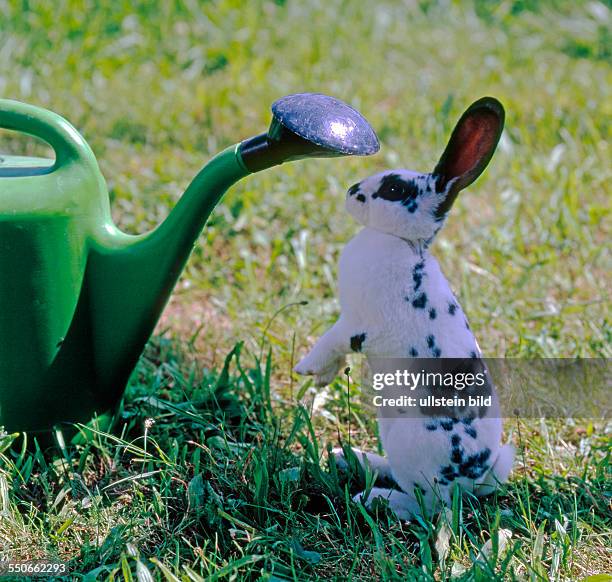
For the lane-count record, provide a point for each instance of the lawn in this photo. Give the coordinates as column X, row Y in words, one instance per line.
column 219, row 468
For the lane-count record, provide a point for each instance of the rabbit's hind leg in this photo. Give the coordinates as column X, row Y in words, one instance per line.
column 377, row 464
column 403, row 505
column 498, row 473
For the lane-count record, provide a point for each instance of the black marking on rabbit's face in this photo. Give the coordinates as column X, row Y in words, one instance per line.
column 396, row 189
column 398, row 202
column 432, row 313
column 452, row 308
column 411, row 206
column 356, row 342
column 440, row 185
column 354, row 189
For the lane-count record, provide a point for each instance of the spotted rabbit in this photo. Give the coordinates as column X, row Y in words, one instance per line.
column 395, row 302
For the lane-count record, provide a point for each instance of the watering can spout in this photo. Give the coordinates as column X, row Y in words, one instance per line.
column 134, row 275
column 309, row 125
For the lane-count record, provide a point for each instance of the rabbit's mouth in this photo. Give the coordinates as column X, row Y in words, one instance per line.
column 355, row 190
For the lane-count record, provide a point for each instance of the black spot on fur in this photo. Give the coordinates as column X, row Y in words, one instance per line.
column 412, row 190
column 475, row 465
column 473, row 355
column 467, row 325
column 411, row 206
column 418, row 279
column 443, row 482
column 432, row 313
column 353, row 190
column 452, row 308
column 413, row 352
column 447, row 424
column 417, row 274
column 431, row 344
column 457, row 455
column 467, row 420
column 448, row 473
column 484, row 455
column 431, row 426
column 357, row 342
column 471, row 431
column 395, row 189
column 420, row 302
column 360, row 198
column 455, row 440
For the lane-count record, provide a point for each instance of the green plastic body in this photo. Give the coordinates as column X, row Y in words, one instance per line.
column 78, row 298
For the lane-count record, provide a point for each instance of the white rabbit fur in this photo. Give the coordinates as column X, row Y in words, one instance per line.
column 395, row 302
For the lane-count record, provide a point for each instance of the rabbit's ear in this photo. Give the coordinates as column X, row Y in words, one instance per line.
column 469, row 149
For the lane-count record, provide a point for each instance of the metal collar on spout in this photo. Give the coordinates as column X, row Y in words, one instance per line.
column 309, row 125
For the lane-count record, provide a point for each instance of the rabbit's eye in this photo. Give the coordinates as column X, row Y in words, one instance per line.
column 394, row 189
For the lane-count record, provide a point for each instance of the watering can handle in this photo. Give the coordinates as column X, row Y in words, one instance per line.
column 65, row 140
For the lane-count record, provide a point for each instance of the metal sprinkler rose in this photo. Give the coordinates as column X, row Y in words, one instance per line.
column 79, row 298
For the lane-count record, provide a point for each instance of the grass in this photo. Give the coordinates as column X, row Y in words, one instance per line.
column 230, row 481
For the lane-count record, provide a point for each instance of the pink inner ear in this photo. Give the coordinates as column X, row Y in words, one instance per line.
column 474, row 139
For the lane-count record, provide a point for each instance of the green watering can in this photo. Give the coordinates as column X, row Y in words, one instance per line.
column 78, row 297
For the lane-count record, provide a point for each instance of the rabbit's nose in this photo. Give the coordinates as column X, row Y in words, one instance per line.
column 353, row 189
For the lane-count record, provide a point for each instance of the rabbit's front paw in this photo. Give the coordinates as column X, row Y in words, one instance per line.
column 304, row 367
column 314, row 364
column 324, row 370
column 326, row 377
column 403, row 505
